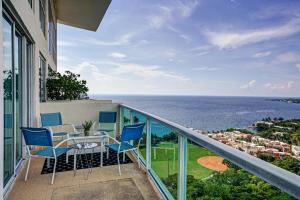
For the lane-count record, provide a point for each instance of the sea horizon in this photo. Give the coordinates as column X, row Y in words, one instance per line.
column 208, row 113
column 189, row 95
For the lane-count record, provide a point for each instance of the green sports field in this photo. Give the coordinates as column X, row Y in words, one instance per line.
column 164, row 164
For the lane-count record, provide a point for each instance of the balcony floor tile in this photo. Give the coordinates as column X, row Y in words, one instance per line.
column 38, row 186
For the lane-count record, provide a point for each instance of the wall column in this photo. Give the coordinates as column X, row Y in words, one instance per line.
column 1, row 106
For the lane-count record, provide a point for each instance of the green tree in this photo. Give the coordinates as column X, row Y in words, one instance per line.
column 296, row 138
column 65, row 86
column 289, row 163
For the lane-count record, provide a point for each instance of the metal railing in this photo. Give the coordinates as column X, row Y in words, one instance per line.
column 278, row 177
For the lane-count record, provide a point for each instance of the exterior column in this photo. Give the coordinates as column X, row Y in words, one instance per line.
column 1, row 110
column 182, row 164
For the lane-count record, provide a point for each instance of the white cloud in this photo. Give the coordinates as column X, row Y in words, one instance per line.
column 202, row 53
column 288, row 85
column 176, row 9
column 201, row 48
column 180, row 34
column 186, row 8
column 90, row 71
column 145, row 71
column 157, row 21
column 61, row 43
column 231, row 40
column 288, row 57
column 122, row 40
column 185, row 37
column 206, row 68
column 298, row 67
column 250, row 84
column 171, row 28
column 62, row 58
column 117, row 55
column 262, row 54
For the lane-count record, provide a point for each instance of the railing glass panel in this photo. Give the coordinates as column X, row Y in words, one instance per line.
column 188, row 165
column 125, row 116
column 136, row 119
column 164, row 155
column 210, row 176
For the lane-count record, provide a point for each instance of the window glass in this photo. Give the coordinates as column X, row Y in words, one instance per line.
column 51, row 33
column 30, row 3
column 42, row 5
column 42, row 78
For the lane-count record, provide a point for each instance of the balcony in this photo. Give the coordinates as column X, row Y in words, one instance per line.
column 103, row 183
column 174, row 160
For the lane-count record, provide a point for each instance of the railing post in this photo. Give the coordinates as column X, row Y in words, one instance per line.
column 148, row 144
column 131, row 117
column 120, row 118
column 182, row 164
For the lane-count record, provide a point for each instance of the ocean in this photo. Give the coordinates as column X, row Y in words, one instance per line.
column 209, row 112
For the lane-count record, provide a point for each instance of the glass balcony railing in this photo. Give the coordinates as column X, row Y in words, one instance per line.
column 184, row 164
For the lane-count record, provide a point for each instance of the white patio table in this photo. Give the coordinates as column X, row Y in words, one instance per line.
column 83, row 145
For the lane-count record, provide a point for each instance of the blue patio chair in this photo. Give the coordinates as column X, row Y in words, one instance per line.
column 42, row 137
column 54, row 119
column 108, row 118
column 129, row 133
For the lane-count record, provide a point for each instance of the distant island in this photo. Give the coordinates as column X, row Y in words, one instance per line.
column 287, row 100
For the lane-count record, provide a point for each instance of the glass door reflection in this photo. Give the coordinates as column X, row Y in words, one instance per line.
column 8, row 100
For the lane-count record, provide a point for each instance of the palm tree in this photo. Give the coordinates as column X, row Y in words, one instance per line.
column 296, row 138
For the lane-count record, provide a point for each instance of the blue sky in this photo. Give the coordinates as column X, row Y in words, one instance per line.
column 189, row 47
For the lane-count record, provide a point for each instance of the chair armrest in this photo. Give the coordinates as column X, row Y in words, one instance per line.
column 116, row 141
column 62, row 142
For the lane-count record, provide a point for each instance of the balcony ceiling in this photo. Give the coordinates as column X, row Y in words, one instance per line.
column 85, row 14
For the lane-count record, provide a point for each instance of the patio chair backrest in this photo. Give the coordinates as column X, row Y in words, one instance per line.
column 51, row 119
column 132, row 132
column 37, row 136
column 107, row 117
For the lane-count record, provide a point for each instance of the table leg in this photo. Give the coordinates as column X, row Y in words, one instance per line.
column 75, row 163
column 101, row 150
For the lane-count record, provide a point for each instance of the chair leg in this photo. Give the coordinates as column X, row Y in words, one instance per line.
column 67, row 158
column 53, row 172
column 48, row 162
column 107, row 153
column 28, row 165
column 75, row 162
column 124, row 156
column 139, row 158
column 118, row 156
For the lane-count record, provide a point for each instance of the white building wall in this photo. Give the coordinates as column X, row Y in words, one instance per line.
column 78, row 111
column 31, row 20
column 27, row 18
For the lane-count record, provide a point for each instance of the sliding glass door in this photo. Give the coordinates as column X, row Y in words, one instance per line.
column 18, row 94
column 13, row 95
column 8, row 99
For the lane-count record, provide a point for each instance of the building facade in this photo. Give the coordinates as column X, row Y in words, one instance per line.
column 28, row 47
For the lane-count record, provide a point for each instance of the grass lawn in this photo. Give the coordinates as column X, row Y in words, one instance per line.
column 164, row 163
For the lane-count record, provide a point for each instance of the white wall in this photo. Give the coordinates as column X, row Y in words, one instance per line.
column 30, row 18
column 76, row 112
